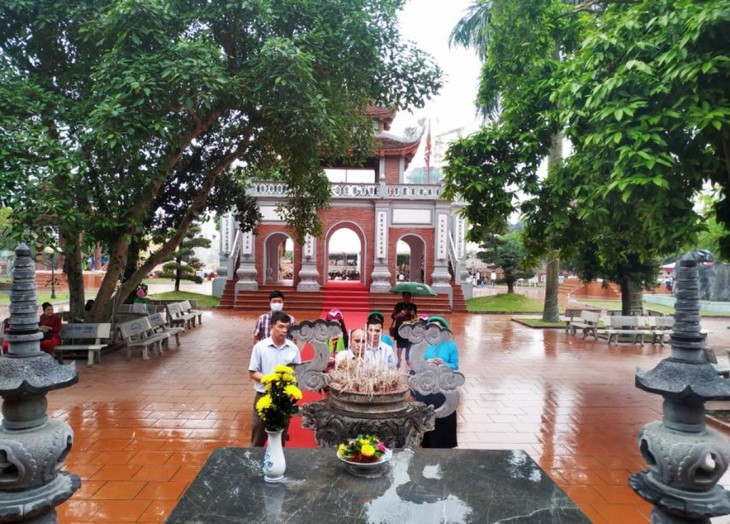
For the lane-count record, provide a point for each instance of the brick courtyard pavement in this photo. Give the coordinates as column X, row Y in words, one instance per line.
column 144, row 429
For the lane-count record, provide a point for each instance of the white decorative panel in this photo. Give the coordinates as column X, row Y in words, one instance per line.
column 226, row 233
column 381, row 234
column 412, row 216
column 460, row 237
column 247, row 239
column 308, row 247
column 269, row 214
column 441, row 236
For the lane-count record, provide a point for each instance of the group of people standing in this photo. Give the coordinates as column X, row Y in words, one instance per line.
column 369, row 348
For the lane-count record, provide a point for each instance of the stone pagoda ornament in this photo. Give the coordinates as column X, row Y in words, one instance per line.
column 685, row 458
column 32, row 447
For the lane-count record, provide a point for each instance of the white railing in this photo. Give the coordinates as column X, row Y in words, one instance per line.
column 452, row 257
column 234, row 255
column 414, row 191
column 346, row 190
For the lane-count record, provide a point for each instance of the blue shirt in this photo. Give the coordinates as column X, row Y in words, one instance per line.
column 446, row 351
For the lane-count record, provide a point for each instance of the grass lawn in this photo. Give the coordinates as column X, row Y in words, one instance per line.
column 43, row 296
column 504, row 303
column 539, row 323
column 201, row 300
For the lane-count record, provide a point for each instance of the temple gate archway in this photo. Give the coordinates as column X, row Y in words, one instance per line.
column 277, row 268
column 345, row 241
column 414, row 270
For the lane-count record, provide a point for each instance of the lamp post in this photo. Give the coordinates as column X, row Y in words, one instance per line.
column 52, row 254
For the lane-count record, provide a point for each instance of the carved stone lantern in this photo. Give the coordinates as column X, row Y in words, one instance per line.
column 32, row 446
column 685, row 458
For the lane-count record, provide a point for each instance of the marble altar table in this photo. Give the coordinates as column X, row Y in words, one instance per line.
column 422, row 486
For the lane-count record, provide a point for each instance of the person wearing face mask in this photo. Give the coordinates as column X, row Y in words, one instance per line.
column 262, row 329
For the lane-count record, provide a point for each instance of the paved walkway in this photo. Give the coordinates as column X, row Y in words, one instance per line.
column 143, row 429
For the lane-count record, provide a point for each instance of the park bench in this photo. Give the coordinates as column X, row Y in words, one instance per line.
column 569, row 315
column 619, row 325
column 661, row 328
column 139, row 334
column 91, row 338
column 177, row 317
column 587, row 322
column 188, row 309
column 158, row 324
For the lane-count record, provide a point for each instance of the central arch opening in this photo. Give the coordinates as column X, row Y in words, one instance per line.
column 344, row 255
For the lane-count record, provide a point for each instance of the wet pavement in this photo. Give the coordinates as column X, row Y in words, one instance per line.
column 143, row 429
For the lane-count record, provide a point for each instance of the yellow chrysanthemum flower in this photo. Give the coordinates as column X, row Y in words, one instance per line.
column 293, row 391
column 342, row 449
column 283, row 369
column 367, row 450
column 263, row 404
column 364, row 442
column 267, row 378
column 286, row 377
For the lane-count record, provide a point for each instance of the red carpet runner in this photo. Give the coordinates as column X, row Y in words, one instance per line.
column 298, row 436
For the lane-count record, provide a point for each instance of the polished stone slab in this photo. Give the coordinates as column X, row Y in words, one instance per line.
column 422, row 486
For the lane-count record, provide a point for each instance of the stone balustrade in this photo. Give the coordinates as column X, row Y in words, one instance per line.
column 364, row 191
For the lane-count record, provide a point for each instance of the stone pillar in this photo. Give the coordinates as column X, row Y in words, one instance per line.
column 685, row 458
column 32, row 447
column 462, row 274
column 246, row 274
column 381, row 273
column 440, row 278
column 225, row 248
column 308, row 274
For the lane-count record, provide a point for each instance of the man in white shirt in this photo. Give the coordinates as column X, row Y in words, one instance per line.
column 272, row 351
column 354, row 356
column 381, row 354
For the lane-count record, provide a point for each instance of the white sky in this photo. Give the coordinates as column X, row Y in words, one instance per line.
column 429, row 23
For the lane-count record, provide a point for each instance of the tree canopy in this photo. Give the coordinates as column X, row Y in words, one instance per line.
column 119, row 116
column 641, row 91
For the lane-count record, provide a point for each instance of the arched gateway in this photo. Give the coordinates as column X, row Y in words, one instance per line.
column 380, row 207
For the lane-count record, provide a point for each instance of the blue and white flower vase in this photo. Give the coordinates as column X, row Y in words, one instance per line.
column 274, row 461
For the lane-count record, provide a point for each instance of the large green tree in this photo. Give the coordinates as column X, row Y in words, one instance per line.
column 114, row 109
column 646, row 102
column 520, row 43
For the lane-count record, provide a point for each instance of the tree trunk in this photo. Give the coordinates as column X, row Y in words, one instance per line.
column 632, row 296
column 550, row 311
column 73, row 269
column 97, row 256
column 178, row 273
column 510, row 284
column 106, row 300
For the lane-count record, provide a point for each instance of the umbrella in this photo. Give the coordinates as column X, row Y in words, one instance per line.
column 414, row 288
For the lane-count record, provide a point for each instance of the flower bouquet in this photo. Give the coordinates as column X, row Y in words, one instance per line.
column 279, row 403
column 362, row 450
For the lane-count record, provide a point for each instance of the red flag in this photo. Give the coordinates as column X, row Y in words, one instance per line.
column 427, row 153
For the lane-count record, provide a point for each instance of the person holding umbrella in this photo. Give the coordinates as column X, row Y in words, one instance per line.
column 404, row 311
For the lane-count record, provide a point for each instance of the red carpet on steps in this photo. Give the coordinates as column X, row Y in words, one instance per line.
column 298, row 436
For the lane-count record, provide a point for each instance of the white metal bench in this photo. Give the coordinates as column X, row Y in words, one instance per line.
column 587, row 322
column 177, row 317
column 159, row 325
column 139, row 334
column 187, row 308
column 91, row 338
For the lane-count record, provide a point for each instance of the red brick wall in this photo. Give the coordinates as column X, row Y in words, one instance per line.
column 392, row 170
